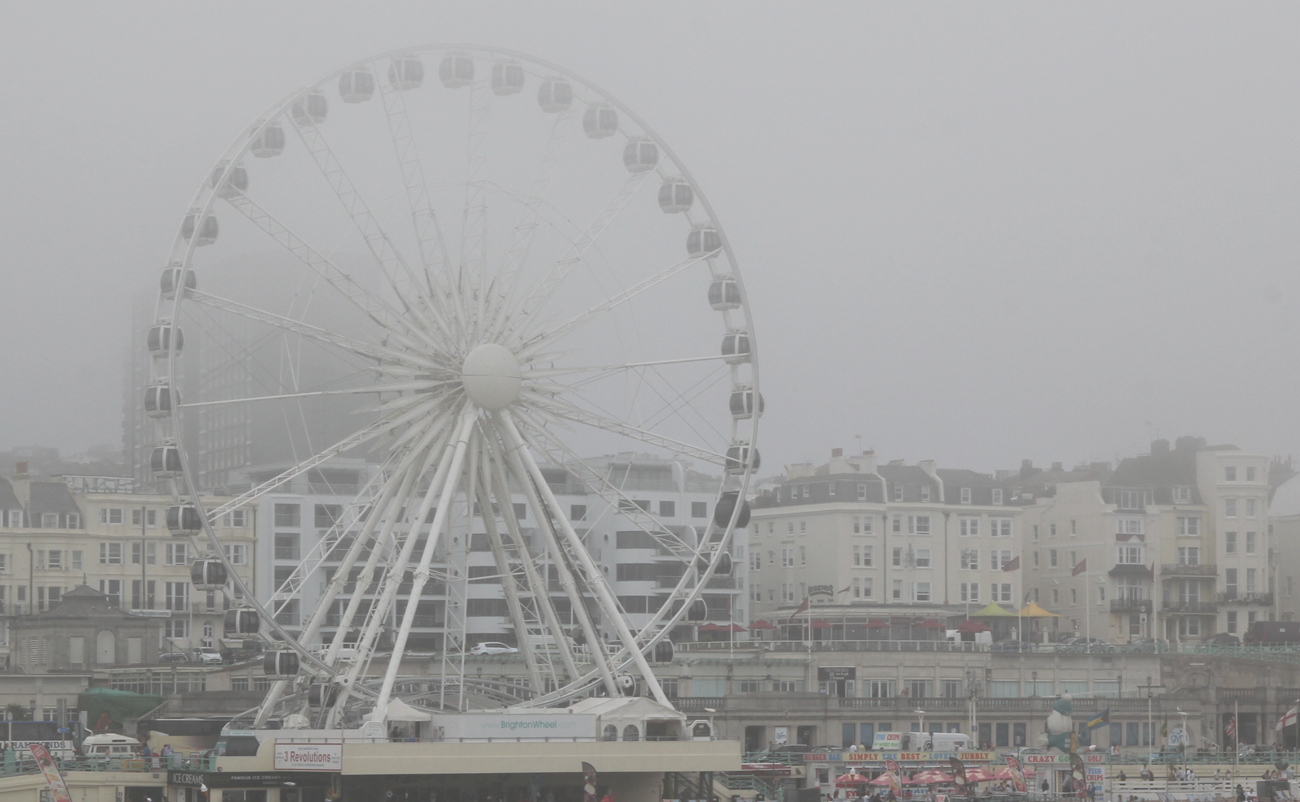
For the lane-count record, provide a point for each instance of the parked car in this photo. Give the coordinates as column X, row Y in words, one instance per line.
column 1082, row 644
column 208, row 656
column 241, row 651
column 492, row 647
column 1151, row 645
column 1222, row 639
column 1013, row 645
column 173, row 657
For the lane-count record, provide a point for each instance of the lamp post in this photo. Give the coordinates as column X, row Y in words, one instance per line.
column 920, row 713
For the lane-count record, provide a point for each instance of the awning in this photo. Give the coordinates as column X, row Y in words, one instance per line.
column 992, row 610
column 398, row 710
column 1032, row 610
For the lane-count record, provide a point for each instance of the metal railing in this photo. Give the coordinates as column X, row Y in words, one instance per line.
column 1192, row 607
column 13, row 763
column 1232, row 597
column 1178, row 569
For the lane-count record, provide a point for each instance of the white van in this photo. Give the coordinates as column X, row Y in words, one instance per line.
column 110, row 745
column 937, row 742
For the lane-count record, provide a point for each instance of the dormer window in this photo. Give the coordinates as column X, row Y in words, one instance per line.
column 965, row 495
column 898, row 492
column 1182, row 495
column 925, row 492
column 997, row 496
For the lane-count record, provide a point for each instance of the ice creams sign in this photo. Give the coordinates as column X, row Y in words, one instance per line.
column 309, row 757
column 821, row 590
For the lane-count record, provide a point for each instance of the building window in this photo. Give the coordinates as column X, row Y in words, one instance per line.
column 867, row 587
column 1230, row 507
column 1189, row 526
column 238, row 519
column 326, row 515
column 897, row 591
column 1182, row 495
column 286, row 547
column 830, row 488
column 862, row 492
column 965, row 495
column 1189, row 555
column 999, row 558
column 857, row 556
column 1251, row 588
column 803, row 555
column 969, row 527
column 667, row 509
column 175, row 554
column 999, row 527
column 925, row 493
column 970, row 591
column 1230, row 583
column 921, row 592
column 1036, row 559
column 1051, row 558
column 866, row 524
column 970, row 559
column 1250, row 508
column 1051, row 530
column 898, row 558
column 1232, row 622
column 1129, row 526
column 1230, row 473
column 922, row 558
column 578, row 512
column 898, row 523
column 898, row 492
column 110, row 515
column 237, row 553
column 1250, row 473
column 110, row 553
column 997, row 496
column 16, row 519
column 1250, row 542
column 76, row 561
column 288, row 515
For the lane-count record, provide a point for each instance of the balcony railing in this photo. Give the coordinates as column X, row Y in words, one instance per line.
column 1231, row 597
column 1130, row 605
column 1190, row 607
column 1178, row 569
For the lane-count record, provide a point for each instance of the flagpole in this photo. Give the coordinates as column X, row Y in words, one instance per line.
column 1236, row 737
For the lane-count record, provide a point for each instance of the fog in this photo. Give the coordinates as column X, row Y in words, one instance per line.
column 972, row 233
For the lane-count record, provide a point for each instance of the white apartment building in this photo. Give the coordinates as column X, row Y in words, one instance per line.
column 856, row 537
column 641, row 573
column 55, row 535
column 1173, row 544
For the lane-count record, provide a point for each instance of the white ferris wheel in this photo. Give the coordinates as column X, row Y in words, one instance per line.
column 468, row 280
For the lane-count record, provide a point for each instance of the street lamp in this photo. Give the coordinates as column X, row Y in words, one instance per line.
column 920, row 713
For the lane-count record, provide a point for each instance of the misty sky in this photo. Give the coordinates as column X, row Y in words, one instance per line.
column 970, row 232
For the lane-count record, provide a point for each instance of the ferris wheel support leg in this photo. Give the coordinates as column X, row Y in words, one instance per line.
column 595, row 579
column 379, row 609
column 541, row 594
column 508, row 584
column 450, row 481
column 546, row 517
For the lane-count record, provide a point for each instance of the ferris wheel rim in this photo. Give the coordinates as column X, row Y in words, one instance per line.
column 202, row 208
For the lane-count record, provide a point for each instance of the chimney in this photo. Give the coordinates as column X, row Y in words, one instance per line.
column 869, row 461
column 21, row 473
column 1026, row 468
column 837, row 452
column 1059, row 467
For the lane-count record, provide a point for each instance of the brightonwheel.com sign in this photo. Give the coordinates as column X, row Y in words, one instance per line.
column 309, row 757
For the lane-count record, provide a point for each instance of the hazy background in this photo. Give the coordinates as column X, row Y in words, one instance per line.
column 970, row 232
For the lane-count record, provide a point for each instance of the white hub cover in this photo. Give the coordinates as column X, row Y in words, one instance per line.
column 491, row 376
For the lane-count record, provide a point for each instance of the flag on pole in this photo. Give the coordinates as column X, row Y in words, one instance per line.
column 1080, row 568
column 1288, row 718
column 1231, row 728
column 1012, row 565
column 1100, row 721
column 803, row 608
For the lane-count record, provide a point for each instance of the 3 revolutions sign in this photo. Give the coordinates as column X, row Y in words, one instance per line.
column 308, row 757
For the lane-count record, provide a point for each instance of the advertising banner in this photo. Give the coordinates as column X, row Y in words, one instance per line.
column 309, row 757
column 1017, row 773
column 58, row 788
column 895, row 775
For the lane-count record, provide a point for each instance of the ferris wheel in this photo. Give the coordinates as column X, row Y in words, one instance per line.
column 468, row 269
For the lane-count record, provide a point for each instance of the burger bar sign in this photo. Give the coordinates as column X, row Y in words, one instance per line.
column 309, row 757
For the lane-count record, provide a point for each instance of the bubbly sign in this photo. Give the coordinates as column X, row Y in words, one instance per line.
column 309, row 757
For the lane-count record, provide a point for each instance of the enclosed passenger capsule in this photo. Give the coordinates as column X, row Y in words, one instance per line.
column 697, row 612
column 676, row 195
column 183, row 520
column 741, row 455
column 356, row 86
column 743, row 405
column 311, row 108
column 320, row 694
column 555, row 95
column 456, row 70
column 235, row 183
column 165, row 462
column 507, row 77
column 703, row 240
column 160, row 400
column 600, row 120
column 664, row 651
column 160, row 340
column 724, row 294
column 406, row 72
column 280, row 664
column 270, row 142
column 735, row 348
column 171, row 276
column 207, row 231
column 208, row 574
column 241, row 622
column 726, row 505
column 640, row 154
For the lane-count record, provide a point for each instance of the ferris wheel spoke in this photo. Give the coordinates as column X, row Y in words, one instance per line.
column 549, row 337
column 374, row 307
column 540, row 294
column 381, row 247
column 521, row 237
column 377, row 353
column 569, row 412
column 595, row 579
column 603, row 371
column 428, row 231
column 542, row 440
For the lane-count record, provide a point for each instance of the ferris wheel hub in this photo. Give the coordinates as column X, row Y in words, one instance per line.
column 491, row 376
